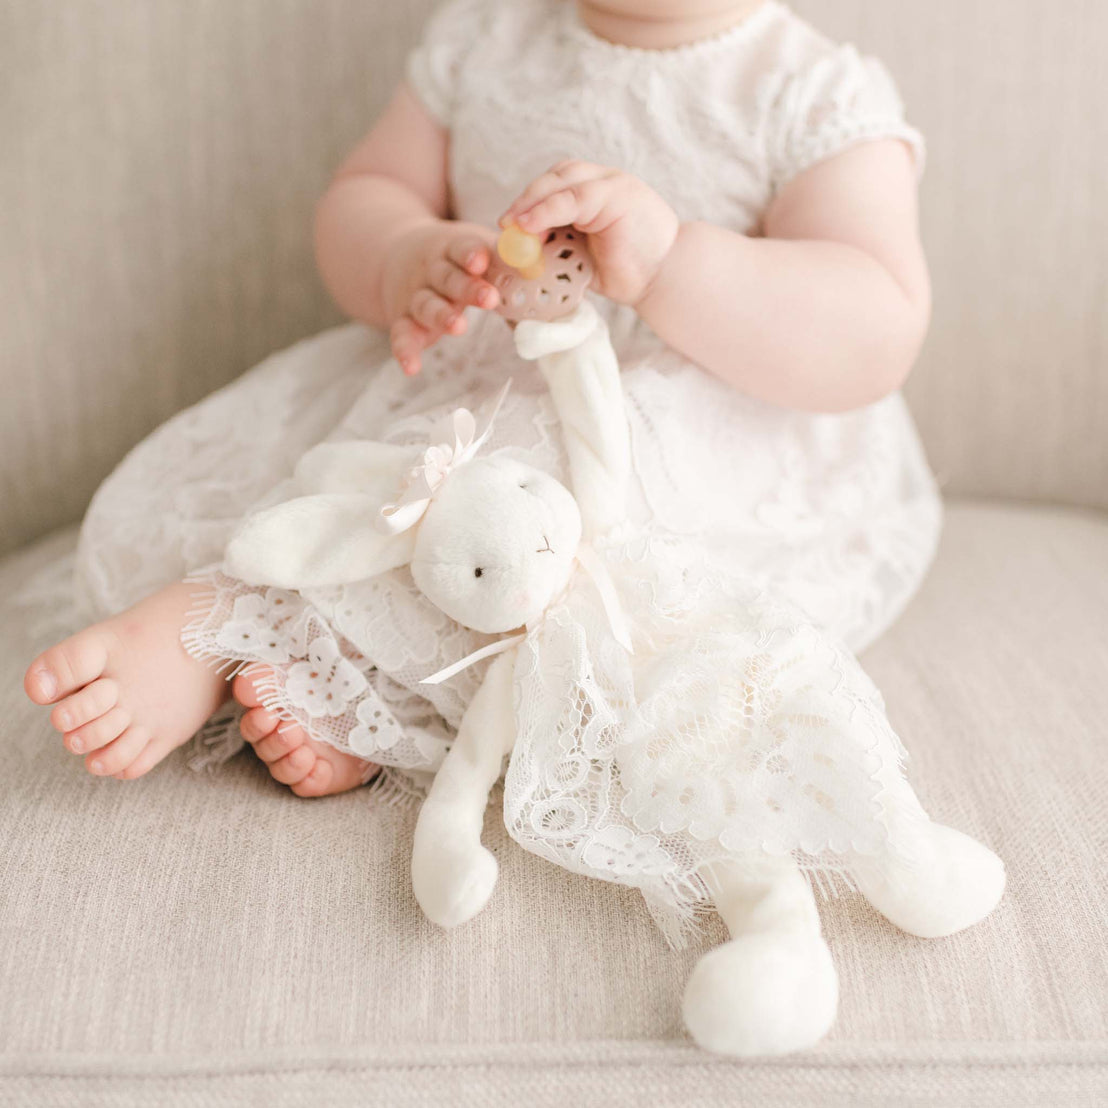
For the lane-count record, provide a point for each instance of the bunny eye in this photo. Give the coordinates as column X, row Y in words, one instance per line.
column 478, row 571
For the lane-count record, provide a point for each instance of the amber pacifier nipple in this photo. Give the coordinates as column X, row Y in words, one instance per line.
column 521, row 250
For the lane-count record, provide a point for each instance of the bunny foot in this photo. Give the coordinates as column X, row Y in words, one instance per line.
column 453, row 883
column 958, row 888
column 773, row 988
column 762, row 994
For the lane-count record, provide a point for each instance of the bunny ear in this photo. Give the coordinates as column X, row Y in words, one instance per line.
column 372, row 468
column 314, row 542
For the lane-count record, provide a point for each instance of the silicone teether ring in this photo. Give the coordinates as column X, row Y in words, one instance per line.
column 563, row 273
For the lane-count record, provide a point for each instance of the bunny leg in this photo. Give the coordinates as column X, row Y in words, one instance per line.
column 958, row 882
column 453, row 875
column 773, row 988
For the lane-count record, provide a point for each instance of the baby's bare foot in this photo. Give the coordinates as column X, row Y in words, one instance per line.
column 125, row 691
column 309, row 768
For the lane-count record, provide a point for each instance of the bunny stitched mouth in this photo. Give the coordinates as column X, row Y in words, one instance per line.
column 548, row 549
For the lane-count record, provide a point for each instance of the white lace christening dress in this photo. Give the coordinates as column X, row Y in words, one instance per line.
column 836, row 515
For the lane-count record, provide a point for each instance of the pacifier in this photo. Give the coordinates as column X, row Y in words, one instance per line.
column 541, row 277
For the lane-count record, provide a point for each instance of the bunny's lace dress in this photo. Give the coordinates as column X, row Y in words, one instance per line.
column 834, row 516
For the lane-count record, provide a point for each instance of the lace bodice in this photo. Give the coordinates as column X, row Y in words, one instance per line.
column 522, row 84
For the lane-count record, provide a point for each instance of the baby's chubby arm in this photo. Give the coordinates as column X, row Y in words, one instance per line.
column 827, row 312
column 385, row 246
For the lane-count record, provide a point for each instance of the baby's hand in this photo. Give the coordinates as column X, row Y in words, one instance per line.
column 630, row 227
column 432, row 274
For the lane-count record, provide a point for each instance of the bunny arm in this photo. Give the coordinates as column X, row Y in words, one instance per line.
column 453, row 875
column 576, row 358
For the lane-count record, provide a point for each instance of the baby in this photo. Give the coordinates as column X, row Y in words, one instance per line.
column 748, row 190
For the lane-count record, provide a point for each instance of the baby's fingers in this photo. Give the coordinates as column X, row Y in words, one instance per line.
column 456, row 285
column 409, row 340
column 470, row 253
column 586, row 206
column 559, row 177
column 436, row 314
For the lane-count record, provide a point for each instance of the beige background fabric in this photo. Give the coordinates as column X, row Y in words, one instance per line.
column 161, row 159
column 206, row 937
column 192, row 940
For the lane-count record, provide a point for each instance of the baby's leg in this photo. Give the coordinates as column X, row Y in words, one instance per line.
column 126, row 693
column 773, row 988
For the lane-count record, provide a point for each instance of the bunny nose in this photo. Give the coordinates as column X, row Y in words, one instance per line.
column 546, row 548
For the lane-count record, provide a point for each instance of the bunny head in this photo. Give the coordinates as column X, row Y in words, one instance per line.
column 497, row 544
column 490, row 541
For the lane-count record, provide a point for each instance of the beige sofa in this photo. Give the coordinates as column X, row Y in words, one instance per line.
column 212, row 940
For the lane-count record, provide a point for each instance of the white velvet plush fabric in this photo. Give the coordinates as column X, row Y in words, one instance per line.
column 188, row 940
column 161, row 159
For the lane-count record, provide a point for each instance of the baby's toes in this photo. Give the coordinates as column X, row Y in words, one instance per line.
column 150, row 755
column 258, row 723
column 318, row 782
column 92, row 701
column 279, row 743
column 64, row 668
column 294, row 767
column 244, row 688
column 118, row 755
column 101, row 731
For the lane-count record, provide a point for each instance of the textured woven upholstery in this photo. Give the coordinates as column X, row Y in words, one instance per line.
column 213, row 941
column 205, row 938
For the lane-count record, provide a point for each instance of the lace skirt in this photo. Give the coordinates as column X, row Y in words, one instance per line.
column 836, row 514
column 736, row 730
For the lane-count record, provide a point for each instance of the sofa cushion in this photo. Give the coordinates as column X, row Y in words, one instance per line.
column 161, row 161
column 211, row 939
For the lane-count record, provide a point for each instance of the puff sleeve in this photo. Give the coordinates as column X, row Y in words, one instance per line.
column 840, row 99
column 434, row 67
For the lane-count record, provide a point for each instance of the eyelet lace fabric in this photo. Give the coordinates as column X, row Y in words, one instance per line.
column 736, row 729
column 796, row 531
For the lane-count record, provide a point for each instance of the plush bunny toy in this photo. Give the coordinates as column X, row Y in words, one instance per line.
column 492, row 542
column 705, row 751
